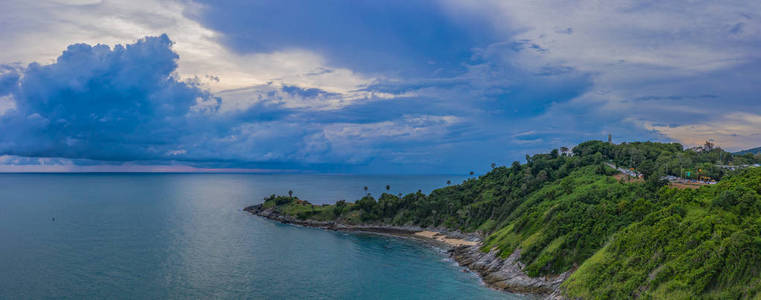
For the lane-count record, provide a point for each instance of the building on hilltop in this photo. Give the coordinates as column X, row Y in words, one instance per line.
column 565, row 151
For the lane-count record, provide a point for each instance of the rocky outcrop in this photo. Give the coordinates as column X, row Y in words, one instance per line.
column 507, row 274
column 496, row 272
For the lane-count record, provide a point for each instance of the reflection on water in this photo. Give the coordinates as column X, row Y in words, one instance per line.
column 185, row 236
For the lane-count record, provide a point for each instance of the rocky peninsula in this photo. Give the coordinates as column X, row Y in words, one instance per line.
column 571, row 226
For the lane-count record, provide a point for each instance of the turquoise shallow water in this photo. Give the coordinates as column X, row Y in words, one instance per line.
column 184, row 236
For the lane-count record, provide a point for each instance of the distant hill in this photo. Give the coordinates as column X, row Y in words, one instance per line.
column 754, row 151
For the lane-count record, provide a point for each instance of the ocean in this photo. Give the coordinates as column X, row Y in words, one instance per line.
column 157, row 236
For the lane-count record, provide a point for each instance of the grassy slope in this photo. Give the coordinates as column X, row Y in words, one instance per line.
column 565, row 222
column 704, row 243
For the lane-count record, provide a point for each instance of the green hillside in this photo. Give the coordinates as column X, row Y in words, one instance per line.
column 627, row 238
column 704, row 242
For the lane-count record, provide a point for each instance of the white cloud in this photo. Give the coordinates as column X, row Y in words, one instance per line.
column 638, row 55
column 406, row 128
column 6, row 104
column 358, row 142
column 694, row 36
column 735, row 131
column 330, row 143
column 40, row 30
column 656, row 62
column 274, row 94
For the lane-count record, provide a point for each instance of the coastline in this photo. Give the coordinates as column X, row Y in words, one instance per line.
column 465, row 249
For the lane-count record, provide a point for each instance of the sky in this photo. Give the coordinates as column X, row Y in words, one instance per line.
column 366, row 86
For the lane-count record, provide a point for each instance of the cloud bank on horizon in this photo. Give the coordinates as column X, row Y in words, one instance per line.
column 366, row 86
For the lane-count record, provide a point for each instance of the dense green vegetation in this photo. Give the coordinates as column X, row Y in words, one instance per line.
column 669, row 159
column 627, row 239
column 703, row 242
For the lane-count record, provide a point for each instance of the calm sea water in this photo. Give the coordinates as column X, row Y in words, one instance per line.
column 185, row 236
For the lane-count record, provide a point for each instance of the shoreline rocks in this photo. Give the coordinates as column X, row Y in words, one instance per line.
column 496, row 272
column 507, row 274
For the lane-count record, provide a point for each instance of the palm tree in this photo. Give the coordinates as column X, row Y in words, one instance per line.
column 290, row 193
column 365, row 188
column 471, row 173
column 493, row 165
column 388, row 187
column 449, row 182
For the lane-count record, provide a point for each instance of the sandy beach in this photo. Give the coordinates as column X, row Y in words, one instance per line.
column 442, row 238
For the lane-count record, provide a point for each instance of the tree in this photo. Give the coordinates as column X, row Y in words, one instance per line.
column 542, row 176
column 290, row 193
column 647, row 168
column 516, row 166
column 471, row 173
column 365, row 189
column 369, row 207
column 449, row 182
column 493, row 165
column 388, row 187
column 339, row 208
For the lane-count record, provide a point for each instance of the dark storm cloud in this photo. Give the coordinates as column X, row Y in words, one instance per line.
column 120, row 103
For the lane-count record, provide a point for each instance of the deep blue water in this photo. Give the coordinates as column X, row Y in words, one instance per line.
column 185, row 236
